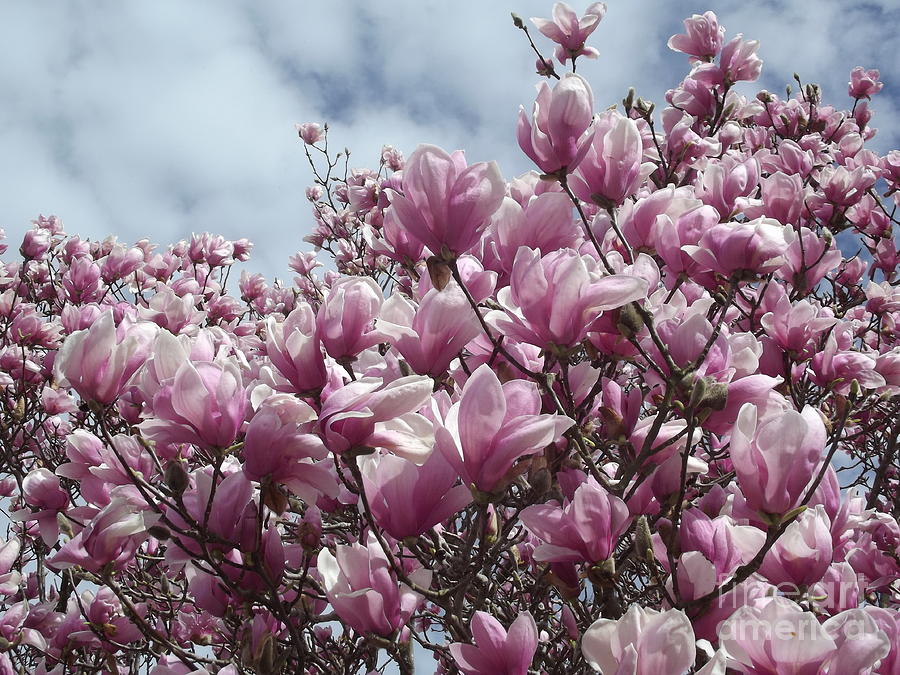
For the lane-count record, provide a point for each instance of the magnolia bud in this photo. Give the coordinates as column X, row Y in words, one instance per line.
column 176, row 478
column 630, row 321
column 643, row 544
column 160, row 532
column 439, row 271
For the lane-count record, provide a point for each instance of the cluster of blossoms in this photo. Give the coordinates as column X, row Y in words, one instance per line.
column 634, row 412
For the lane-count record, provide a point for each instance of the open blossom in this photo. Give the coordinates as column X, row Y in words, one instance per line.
column 643, row 642
column 279, row 446
column 407, row 499
column 703, row 37
column 554, row 137
column 553, row 299
column 431, row 335
column 803, row 553
column 864, row 83
column 494, row 425
column 586, row 529
column 111, row 537
column 569, row 32
column 497, row 651
column 205, row 403
column 446, row 204
column 369, row 413
column 775, row 636
column 755, row 247
column 97, row 362
column 310, row 132
column 364, row 592
column 777, row 457
column 294, row 348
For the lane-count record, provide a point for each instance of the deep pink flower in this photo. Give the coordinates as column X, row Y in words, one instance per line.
column 368, row 413
column 611, row 169
column 363, row 591
column 111, row 537
column 585, row 529
column 864, row 83
column 346, row 319
column 496, row 651
column 204, row 404
column 755, row 247
column 431, row 335
column 294, row 348
column 492, row 426
column 408, row 500
column 553, row 299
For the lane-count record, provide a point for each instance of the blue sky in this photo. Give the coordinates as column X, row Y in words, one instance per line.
column 159, row 119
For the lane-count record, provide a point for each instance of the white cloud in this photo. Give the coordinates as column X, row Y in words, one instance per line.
column 158, row 119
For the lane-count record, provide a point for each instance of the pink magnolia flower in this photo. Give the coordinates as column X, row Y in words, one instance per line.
column 363, row 591
column 35, row 244
column 803, row 553
column 864, row 83
column 111, row 537
column 310, row 132
column 346, row 319
column 99, row 361
column 724, row 183
column 774, row 636
column 294, row 348
column 446, row 204
column 611, row 169
column 703, row 37
column 777, row 457
column 492, row 426
column 496, row 651
column 10, row 579
column 754, row 247
column 794, row 327
column 553, row 299
column 367, row 413
column 98, row 468
column 643, row 642
column 554, row 138
column 545, row 223
column 42, row 490
column 569, row 32
column 738, row 62
column 718, row 540
column 279, row 447
column 586, row 529
column 888, row 622
column 838, row 364
column 431, row 335
column 204, row 404
column 782, row 199
column 408, row 500
column 14, row 632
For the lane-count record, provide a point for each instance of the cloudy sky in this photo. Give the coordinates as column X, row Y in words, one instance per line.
column 163, row 118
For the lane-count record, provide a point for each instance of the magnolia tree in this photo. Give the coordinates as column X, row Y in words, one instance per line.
column 634, row 411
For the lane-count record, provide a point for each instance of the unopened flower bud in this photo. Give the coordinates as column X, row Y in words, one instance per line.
column 176, row 478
